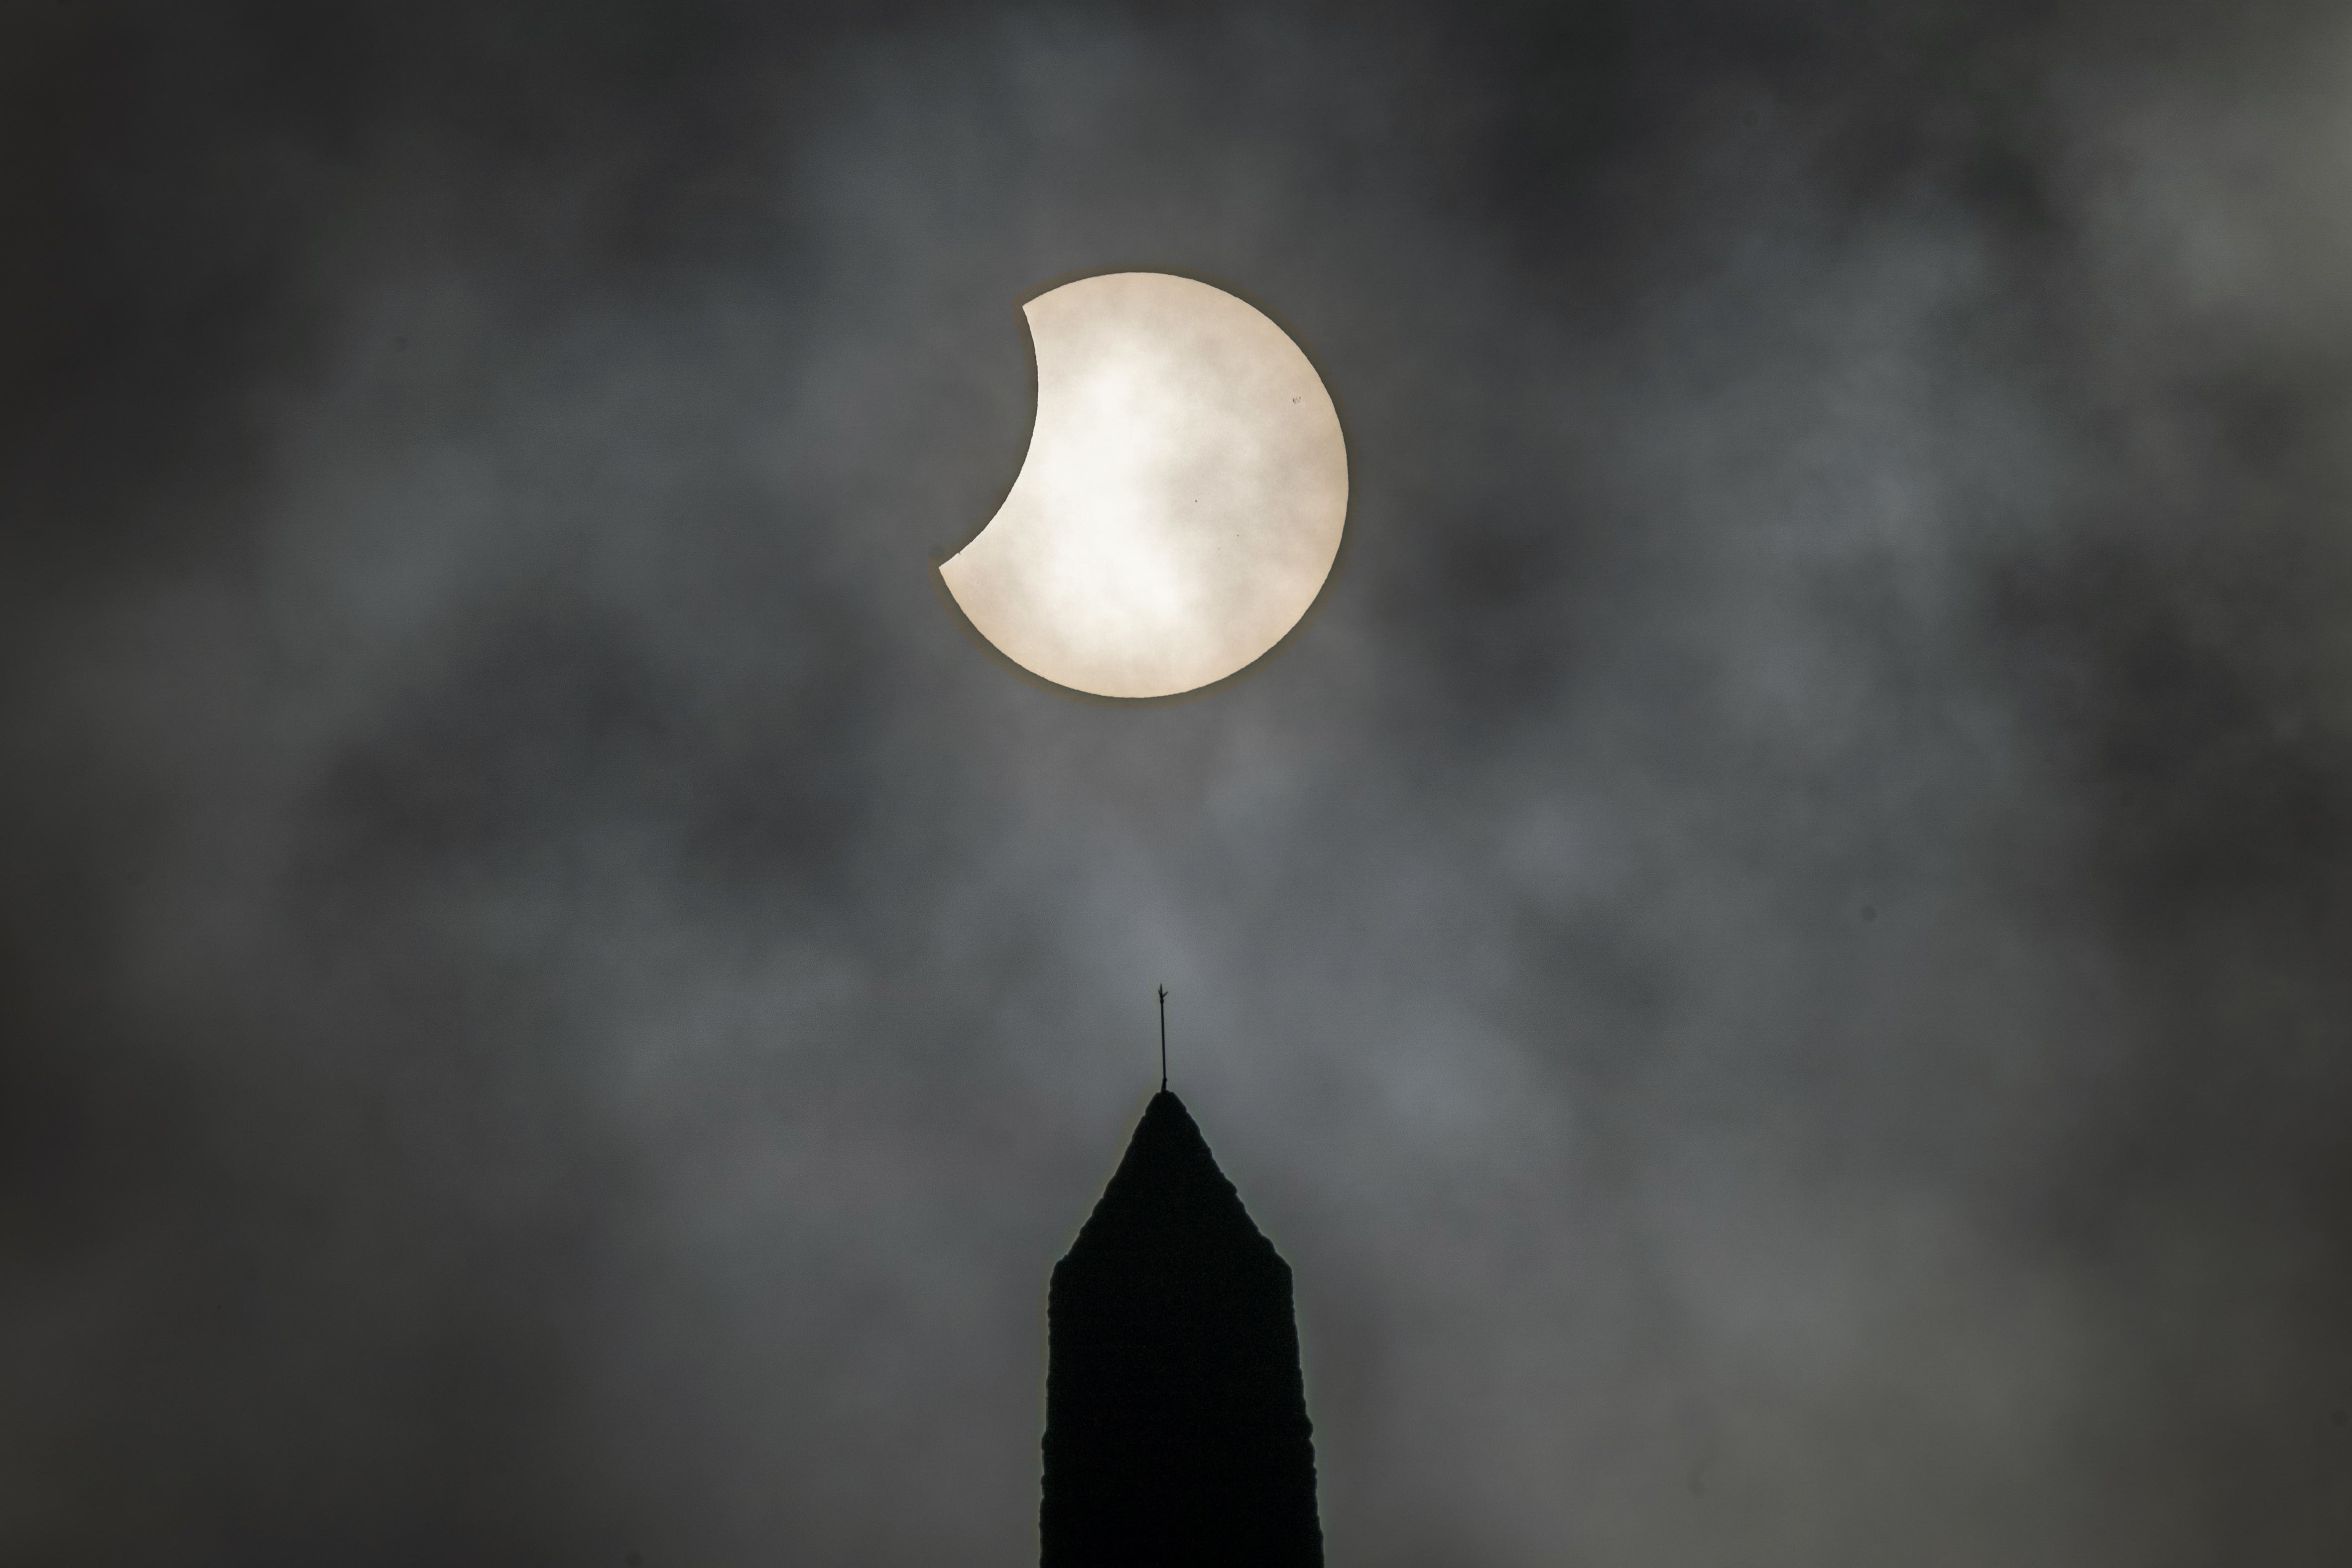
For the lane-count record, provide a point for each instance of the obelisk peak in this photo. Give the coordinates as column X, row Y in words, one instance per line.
column 1176, row 1428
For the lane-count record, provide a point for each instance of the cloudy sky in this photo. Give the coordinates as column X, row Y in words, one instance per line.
column 1774, row 959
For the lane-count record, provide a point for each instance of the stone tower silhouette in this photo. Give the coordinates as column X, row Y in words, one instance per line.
column 1176, row 1430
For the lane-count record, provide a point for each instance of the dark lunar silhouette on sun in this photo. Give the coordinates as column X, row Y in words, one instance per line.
column 1176, row 1428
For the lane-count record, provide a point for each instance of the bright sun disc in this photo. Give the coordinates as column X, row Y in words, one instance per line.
column 1181, row 501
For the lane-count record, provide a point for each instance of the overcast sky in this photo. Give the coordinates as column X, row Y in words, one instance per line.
column 1775, row 959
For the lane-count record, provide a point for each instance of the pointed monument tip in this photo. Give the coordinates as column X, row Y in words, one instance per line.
column 1167, row 1177
column 1162, row 1104
column 1176, row 1426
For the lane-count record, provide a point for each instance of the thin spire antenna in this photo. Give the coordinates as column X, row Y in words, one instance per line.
column 1163, row 1040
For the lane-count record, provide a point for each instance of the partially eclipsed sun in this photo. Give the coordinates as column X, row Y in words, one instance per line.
column 1183, row 499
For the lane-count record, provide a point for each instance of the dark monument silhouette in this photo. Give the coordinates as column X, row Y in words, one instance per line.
column 1176, row 1430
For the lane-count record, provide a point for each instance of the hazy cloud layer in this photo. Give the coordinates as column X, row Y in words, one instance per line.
column 1774, row 960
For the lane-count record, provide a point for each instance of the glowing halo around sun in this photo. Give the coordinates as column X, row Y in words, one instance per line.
column 1183, row 499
